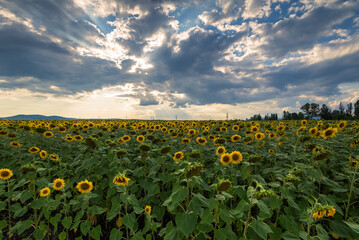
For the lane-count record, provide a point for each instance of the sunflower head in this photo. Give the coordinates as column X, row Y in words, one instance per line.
column 224, row 185
column 201, row 141
column 186, row 140
column 148, row 209
column 329, row 132
column 54, row 157
column 121, row 180
column 220, row 150
column 194, row 170
column 84, row 186
column 43, row 154
column 145, row 147
column 235, row 138
column 5, row 173
column 271, row 151
column 15, row 144
column 48, row 134
column 121, row 152
column 236, row 157
column 34, row 150
column 58, row 184
column 140, row 139
column 225, row 159
column 45, row 192
column 178, row 156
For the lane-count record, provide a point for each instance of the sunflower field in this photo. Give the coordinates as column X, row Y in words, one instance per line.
column 179, row 179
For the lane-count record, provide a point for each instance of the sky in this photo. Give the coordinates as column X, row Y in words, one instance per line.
column 167, row 59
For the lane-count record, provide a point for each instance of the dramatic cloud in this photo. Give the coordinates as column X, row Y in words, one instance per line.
column 193, row 59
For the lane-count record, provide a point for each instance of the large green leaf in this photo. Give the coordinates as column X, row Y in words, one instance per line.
column 129, row 221
column 186, row 222
column 261, row 228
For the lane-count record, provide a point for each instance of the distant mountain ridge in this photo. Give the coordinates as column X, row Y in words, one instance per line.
column 35, row 117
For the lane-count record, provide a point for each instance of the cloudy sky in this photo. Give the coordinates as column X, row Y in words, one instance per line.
column 197, row 59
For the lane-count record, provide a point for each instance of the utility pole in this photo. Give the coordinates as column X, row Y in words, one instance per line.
column 176, row 117
column 227, row 116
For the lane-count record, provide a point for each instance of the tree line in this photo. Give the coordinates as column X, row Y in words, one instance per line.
column 314, row 110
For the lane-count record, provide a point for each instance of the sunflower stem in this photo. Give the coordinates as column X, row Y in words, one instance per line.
column 8, row 189
column 350, row 194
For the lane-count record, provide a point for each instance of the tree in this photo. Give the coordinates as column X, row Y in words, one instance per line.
column 325, row 112
column 349, row 110
column 356, row 109
column 341, row 110
column 311, row 110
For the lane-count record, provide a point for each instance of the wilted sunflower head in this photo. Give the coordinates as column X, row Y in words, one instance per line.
column 224, row 185
column 5, row 173
column 84, row 186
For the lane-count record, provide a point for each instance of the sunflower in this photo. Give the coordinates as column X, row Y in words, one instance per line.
column 178, row 156
column 54, row 157
column 271, row 135
column 148, row 209
column 259, row 136
column 271, row 151
column 313, row 131
column 69, row 139
column 226, row 159
column 43, row 154
column 58, row 184
column 342, row 125
column 191, row 132
column 12, row 135
column 126, row 138
column 223, row 129
column 254, row 129
column 44, row 192
column 248, row 140
column 15, row 144
column 5, row 173
column 48, row 134
column 235, row 128
column 186, row 140
column 78, row 138
column 84, row 186
column 140, row 139
column 201, row 141
column 329, row 132
column 61, row 129
column 304, row 122
column 220, row 150
column 224, row 185
column 235, row 138
column 236, row 157
column 34, row 150
column 121, row 180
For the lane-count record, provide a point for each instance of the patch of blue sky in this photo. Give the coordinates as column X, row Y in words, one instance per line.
column 188, row 15
column 102, row 23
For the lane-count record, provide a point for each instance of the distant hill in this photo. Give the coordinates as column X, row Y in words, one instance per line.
column 35, row 117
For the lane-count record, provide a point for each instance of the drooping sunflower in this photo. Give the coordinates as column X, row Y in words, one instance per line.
column 236, row 157
column 58, row 184
column 178, row 156
column 15, row 144
column 54, row 157
column 84, row 186
column 121, row 180
column 5, row 173
column 235, row 138
column 44, row 192
column 148, row 209
column 48, row 134
column 201, row 141
column 34, row 150
column 140, row 139
column 226, row 159
column 329, row 132
column 220, row 150
column 43, row 154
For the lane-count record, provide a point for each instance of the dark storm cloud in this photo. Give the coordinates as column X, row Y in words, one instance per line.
column 319, row 79
column 293, row 34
